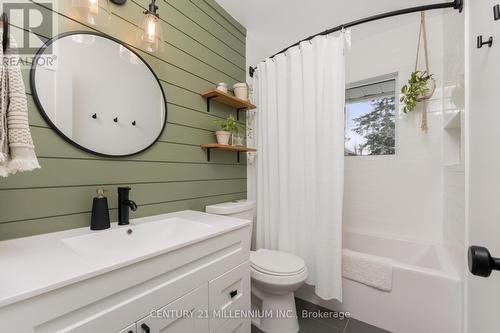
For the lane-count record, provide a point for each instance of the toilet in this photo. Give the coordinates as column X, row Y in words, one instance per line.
column 275, row 276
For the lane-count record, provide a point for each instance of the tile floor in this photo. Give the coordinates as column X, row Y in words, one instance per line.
column 328, row 325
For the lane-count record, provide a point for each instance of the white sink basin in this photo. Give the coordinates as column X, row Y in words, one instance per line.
column 135, row 239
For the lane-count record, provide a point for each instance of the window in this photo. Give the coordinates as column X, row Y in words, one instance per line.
column 371, row 117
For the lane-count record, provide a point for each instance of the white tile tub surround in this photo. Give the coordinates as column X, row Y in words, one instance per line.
column 426, row 292
column 399, row 195
column 415, row 194
column 454, row 175
column 454, row 216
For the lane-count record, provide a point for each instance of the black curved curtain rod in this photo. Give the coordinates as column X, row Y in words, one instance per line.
column 456, row 4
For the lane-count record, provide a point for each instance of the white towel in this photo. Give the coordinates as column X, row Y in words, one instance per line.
column 368, row 269
column 17, row 152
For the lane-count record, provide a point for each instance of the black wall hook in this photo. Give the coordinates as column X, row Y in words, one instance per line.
column 496, row 12
column 115, row 119
column 134, row 123
column 5, row 35
column 481, row 43
column 94, row 116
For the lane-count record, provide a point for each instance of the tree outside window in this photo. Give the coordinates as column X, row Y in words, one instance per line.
column 371, row 121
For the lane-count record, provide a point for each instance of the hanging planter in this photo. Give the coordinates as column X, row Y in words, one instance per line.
column 420, row 87
column 421, row 84
column 429, row 87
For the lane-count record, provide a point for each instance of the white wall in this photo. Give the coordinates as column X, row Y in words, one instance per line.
column 401, row 195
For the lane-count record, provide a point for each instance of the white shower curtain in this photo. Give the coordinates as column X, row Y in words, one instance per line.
column 299, row 168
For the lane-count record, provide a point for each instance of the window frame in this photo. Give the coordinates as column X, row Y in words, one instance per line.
column 374, row 80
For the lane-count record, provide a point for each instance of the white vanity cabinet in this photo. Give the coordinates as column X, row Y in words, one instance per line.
column 213, row 307
column 129, row 329
column 201, row 285
column 187, row 314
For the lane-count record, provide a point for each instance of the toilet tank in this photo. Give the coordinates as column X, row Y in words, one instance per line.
column 242, row 209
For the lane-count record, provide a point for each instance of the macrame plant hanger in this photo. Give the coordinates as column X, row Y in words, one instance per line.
column 422, row 35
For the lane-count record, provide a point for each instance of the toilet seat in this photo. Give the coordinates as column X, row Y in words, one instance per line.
column 277, row 263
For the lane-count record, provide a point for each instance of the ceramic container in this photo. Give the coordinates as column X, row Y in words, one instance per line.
column 431, row 86
column 241, row 91
column 223, row 137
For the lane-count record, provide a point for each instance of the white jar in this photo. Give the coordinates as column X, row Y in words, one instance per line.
column 222, row 87
column 241, row 91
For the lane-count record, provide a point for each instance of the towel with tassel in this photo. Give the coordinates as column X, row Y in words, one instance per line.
column 17, row 152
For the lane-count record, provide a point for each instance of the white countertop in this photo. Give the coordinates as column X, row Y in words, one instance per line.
column 34, row 265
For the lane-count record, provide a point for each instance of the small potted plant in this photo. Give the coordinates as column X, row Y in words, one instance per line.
column 420, row 87
column 228, row 126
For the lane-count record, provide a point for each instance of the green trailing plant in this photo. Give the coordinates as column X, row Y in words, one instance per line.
column 229, row 125
column 414, row 89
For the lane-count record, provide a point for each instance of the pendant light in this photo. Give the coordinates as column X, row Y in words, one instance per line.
column 151, row 35
column 92, row 12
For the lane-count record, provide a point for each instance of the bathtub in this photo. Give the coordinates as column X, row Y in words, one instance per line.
column 426, row 294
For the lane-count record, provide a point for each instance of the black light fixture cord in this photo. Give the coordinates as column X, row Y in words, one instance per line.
column 456, row 4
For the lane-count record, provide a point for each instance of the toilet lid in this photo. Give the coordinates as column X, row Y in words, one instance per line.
column 276, row 262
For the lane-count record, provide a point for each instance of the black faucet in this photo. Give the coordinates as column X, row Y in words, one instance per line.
column 124, row 204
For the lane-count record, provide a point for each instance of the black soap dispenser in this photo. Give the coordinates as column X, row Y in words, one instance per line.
column 100, row 212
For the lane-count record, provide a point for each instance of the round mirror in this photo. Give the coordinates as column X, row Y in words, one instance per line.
column 98, row 94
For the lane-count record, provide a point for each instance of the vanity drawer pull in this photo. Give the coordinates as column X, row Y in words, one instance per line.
column 145, row 328
column 233, row 293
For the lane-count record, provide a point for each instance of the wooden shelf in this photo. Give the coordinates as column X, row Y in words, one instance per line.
column 227, row 147
column 224, row 98
column 237, row 149
column 221, row 97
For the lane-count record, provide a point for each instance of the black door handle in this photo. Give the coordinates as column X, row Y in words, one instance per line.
column 481, row 263
column 145, row 328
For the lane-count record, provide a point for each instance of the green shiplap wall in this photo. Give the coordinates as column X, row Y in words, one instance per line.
column 203, row 46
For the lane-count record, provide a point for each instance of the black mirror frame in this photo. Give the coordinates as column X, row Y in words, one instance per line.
column 54, row 127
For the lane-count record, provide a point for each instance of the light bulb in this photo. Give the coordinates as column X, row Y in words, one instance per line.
column 94, row 12
column 150, row 28
column 151, row 34
column 94, row 6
